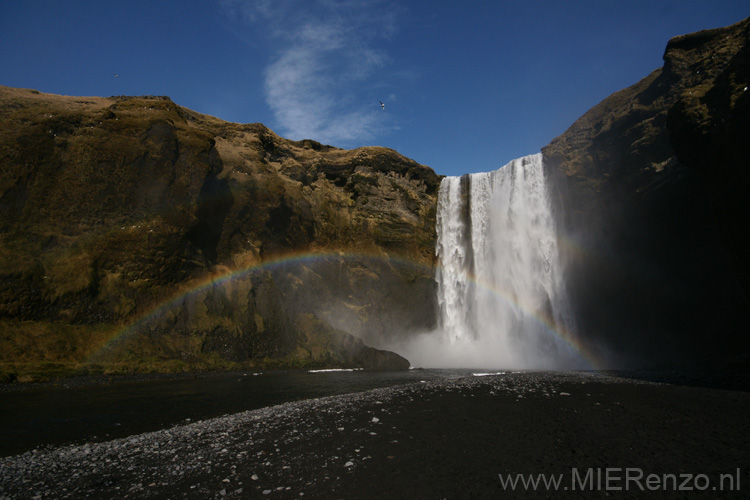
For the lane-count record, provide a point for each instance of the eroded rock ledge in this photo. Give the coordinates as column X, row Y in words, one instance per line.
column 137, row 235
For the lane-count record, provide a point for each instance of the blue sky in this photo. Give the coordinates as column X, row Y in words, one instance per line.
column 467, row 85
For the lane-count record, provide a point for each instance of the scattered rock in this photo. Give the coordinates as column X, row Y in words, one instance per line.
column 148, row 459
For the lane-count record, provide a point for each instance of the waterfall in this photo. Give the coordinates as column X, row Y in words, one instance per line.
column 501, row 297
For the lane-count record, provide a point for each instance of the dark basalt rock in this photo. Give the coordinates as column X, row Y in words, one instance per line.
column 376, row 359
column 650, row 191
column 147, row 236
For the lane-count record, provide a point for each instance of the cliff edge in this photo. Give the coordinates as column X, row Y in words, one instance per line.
column 138, row 235
column 651, row 195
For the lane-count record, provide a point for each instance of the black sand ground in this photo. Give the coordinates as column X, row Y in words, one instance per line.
column 434, row 440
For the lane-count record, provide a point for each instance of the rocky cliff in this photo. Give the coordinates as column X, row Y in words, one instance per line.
column 651, row 195
column 138, row 235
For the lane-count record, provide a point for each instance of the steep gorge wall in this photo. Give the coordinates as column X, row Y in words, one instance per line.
column 139, row 235
column 651, row 196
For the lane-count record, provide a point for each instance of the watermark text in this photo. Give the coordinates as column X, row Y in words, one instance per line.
column 621, row 479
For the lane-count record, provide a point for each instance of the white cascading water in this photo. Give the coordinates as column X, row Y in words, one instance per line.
column 502, row 301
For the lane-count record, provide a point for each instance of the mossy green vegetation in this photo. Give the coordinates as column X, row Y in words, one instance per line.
column 119, row 213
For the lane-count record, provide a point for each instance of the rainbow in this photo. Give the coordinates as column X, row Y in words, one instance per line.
column 569, row 338
column 225, row 276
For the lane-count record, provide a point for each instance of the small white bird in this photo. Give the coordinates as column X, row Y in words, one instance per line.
column 382, row 105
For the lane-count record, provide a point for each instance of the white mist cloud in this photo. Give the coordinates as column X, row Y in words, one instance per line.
column 325, row 66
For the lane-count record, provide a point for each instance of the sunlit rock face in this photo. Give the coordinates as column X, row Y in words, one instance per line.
column 136, row 235
column 651, row 196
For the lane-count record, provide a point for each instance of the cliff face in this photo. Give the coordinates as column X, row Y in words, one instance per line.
column 651, row 196
column 136, row 234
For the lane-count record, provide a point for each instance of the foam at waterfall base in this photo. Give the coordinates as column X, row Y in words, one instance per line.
column 501, row 295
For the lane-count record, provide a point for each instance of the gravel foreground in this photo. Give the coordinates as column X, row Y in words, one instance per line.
column 450, row 439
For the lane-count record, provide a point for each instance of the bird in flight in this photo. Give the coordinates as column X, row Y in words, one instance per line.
column 116, row 75
column 382, row 105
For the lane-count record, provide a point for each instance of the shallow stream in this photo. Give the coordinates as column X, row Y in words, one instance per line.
column 55, row 415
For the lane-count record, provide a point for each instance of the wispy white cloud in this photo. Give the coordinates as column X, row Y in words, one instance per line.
column 325, row 70
column 248, row 10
